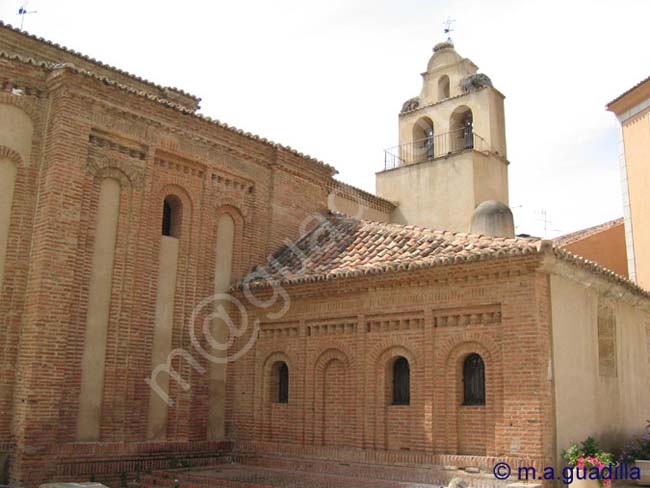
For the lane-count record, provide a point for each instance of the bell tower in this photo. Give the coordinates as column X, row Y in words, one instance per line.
column 452, row 147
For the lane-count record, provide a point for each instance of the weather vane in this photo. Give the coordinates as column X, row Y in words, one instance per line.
column 448, row 29
column 22, row 11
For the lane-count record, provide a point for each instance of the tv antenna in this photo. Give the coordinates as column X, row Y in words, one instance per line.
column 448, row 30
column 22, row 11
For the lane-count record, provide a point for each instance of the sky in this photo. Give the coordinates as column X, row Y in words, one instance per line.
column 328, row 78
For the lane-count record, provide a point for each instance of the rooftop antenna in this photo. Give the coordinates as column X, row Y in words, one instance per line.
column 546, row 221
column 22, row 11
column 448, row 29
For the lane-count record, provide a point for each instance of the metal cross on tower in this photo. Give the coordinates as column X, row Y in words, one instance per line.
column 448, row 29
column 22, row 11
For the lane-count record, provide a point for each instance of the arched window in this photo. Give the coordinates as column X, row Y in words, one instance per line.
column 473, row 380
column 401, row 382
column 280, row 383
column 283, row 384
column 461, row 126
column 423, row 141
column 443, row 87
column 172, row 214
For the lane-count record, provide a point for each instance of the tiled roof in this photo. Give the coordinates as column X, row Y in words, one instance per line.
column 95, row 61
column 345, row 247
column 567, row 239
column 179, row 108
column 342, row 247
column 345, row 189
column 629, row 91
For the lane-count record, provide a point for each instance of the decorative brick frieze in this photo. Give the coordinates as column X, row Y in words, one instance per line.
column 130, row 173
column 107, row 142
column 477, row 316
column 394, row 323
column 331, row 327
column 279, row 331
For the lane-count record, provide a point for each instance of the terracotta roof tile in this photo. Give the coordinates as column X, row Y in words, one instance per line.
column 95, row 61
column 567, row 239
column 626, row 92
column 342, row 247
column 175, row 106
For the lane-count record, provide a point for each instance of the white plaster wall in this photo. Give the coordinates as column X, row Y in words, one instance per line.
column 8, row 171
column 490, row 179
column 220, row 332
column 437, row 194
column 99, row 302
column 353, row 208
column 16, row 131
column 587, row 404
column 162, row 338
column 443, row 193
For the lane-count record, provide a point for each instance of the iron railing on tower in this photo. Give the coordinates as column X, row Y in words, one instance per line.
column 434, row 147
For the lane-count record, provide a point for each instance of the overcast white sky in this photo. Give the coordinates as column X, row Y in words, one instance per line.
column 328, row 78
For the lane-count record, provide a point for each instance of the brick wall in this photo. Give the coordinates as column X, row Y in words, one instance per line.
column 339, row 339
column 336, row 338
column 86, row 130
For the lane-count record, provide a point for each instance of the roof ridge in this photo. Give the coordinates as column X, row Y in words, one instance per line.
column 168, row 103
column 577, row 235
column 598, row 269
column 372, row 248
column 627, row 92
column 349, row 186
column 428, row 230
column 97, row 62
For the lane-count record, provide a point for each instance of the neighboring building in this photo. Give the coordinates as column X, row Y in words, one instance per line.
column 632, row 109
column 603, row 244
column 126, row 217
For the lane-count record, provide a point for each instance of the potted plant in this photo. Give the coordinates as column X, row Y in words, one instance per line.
column 638, row 452
column 589, row 464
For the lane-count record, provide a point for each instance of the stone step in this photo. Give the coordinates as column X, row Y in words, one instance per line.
column 247, row 476
column 429, row 475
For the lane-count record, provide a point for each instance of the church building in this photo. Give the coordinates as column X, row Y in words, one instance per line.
column 175, row 292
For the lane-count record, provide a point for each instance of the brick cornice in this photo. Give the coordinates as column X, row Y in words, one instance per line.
column 444, row 274
column 55, row 79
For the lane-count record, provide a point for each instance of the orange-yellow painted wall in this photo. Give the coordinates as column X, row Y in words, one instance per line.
column 606, row 248
column 632, row 109
column 636, row 140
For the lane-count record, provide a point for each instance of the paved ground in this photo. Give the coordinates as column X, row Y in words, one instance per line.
column 255, row 476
